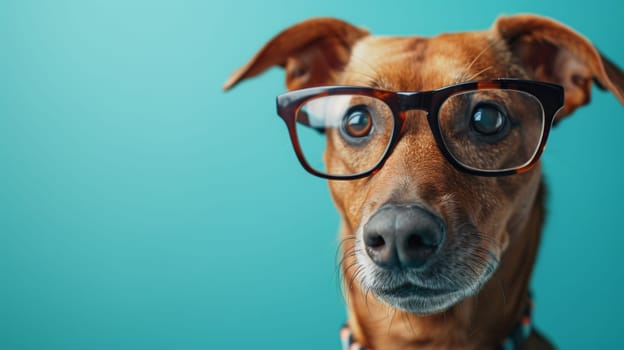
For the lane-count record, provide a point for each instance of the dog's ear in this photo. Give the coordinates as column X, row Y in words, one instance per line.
column 310, row 51
column 553, row 52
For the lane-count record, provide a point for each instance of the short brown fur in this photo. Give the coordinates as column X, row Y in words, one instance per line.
column 510, row 210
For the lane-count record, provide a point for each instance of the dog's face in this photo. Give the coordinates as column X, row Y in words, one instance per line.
column 420, row 234
column 417, row 184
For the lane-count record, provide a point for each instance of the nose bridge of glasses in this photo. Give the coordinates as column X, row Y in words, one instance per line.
column 414, row 100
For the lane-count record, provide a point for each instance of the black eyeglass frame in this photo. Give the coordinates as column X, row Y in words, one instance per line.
column 550, row 96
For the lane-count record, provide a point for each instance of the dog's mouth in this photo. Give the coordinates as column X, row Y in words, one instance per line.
column 420, row 300
column 423, row 295
column 409, row 290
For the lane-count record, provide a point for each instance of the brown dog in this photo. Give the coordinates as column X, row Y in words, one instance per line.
column 437, row 250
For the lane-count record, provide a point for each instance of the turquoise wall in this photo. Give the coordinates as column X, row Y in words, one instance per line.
column 142, row 208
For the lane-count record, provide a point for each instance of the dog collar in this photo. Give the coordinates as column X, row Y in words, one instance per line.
column 514, row 340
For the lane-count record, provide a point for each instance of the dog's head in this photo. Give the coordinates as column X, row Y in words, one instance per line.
column 420, row 233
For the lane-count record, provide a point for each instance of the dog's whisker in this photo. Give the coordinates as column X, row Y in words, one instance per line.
column 465, row 71
column 366, row 293
column 394, row 311
column 350, row 266
column 368, row 81
column 345, row 257
column 409, row 323
column 359, row 270
column 372, row 78
column 476, row 58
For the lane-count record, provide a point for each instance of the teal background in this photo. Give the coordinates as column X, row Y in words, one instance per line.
column 142, row 208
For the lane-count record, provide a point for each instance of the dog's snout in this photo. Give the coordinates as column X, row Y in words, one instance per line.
column 403, row 236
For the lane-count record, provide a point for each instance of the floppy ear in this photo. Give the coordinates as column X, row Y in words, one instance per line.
column 550, row 51
column 311, row 52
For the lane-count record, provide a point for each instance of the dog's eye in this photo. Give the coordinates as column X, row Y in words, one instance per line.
column 488, row 120
column 357, row 122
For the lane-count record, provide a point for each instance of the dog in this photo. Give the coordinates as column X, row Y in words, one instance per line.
column 432, row 147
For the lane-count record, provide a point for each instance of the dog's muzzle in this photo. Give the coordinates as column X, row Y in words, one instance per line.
column 412, row 264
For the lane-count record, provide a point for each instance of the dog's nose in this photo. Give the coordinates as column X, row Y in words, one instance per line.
column 403, row 236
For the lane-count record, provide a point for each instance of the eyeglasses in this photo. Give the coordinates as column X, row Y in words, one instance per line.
column 487, row 128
